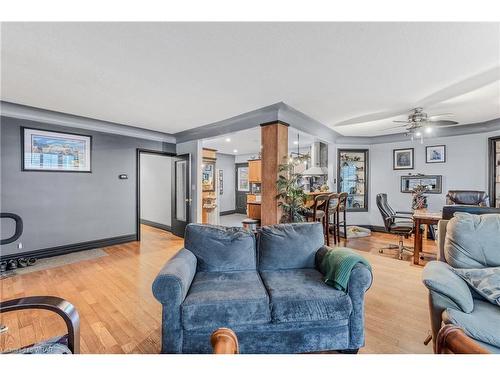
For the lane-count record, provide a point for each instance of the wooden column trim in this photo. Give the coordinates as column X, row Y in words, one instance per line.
column 274, row 139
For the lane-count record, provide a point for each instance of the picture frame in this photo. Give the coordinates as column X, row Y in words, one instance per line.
column 54, row 151
column 435, row 182
column 208, row 175
column 435, row 154
column 403, row 159
column 221, row 182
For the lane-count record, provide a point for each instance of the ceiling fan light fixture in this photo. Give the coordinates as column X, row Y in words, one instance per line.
column 428, row 129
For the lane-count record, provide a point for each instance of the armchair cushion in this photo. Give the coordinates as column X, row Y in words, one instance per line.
column 472, row 241
column 482, row 324
column 174, row 279
column 225, row 299
column 300, row 295
column 289, row 246
column 221, row 249
column 439, row 277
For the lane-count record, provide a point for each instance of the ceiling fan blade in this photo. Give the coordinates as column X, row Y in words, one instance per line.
column 446, row 126
column 400, row 121
column 441, row 123
column 395, row 127
column 442, row 115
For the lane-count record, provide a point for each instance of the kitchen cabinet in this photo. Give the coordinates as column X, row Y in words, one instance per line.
column 254, row 170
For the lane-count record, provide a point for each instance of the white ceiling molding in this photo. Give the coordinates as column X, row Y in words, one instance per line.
column 62, row 119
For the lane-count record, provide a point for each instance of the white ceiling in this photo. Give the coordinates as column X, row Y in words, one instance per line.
column 248, row 141
column 176, row 76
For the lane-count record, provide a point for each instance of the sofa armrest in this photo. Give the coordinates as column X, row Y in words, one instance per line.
column 439, row 277
column 361, row 276
column 174, row 279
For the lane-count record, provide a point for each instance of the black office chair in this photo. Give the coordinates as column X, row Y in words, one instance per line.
column 399, row 223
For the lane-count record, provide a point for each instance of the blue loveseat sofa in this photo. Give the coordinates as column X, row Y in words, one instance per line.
column 267, row 289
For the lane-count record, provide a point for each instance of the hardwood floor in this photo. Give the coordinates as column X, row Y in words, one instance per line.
column 120, row 315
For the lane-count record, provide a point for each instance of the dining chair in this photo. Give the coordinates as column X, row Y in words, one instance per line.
column 331, row 217
column 318, row 210
column 341, row 208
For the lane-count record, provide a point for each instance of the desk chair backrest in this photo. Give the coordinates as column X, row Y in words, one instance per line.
column 385, row 210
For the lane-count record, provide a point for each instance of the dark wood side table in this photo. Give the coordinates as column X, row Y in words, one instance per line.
column 427, row 218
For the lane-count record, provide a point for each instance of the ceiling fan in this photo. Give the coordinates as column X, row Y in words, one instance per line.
column 419, row 122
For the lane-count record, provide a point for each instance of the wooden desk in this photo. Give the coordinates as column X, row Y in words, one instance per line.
column 427, row 218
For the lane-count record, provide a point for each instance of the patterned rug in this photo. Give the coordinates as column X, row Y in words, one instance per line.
column 57, row 261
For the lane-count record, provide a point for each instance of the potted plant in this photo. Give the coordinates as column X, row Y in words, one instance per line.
column 290, row 193
column 419, row 200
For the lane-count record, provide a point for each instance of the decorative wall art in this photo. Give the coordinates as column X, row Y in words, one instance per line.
column 51, row 151
column 221, row 182
column 435, row 154
column 403, row 159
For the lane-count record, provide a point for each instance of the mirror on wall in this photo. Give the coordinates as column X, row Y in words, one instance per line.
column 433, row 183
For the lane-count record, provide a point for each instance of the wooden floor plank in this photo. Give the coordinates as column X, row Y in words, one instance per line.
column 120, row 315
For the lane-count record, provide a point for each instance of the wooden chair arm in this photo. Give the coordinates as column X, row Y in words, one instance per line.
column 453, row 340
column 224, row 341
column 55, row 304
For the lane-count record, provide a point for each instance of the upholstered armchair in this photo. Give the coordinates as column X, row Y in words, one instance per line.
column 464, row 242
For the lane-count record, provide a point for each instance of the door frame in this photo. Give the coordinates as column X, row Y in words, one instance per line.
column 188, row 200
column 236, row 166
column 138, row 153
column 492, row 169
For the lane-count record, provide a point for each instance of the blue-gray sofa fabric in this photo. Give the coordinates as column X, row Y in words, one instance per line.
column 470, row 241
column 269, row 291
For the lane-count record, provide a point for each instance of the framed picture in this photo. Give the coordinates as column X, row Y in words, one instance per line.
column 434, row 183
column 435, row 154
column 51, row 151
column 402, row 159
column 208, row 175
column 221, row 182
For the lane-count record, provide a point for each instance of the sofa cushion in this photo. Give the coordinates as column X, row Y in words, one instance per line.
column 221, row 249
column 225, row 299
column 289, row 246
column 482, row 324
column 300, row 295
column 472, row 241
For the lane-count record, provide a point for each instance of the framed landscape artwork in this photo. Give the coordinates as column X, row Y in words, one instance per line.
column 51, row 151
column 403, row 159
column 435, row 154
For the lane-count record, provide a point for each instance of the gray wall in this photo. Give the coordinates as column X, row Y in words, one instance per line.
column 226, row 163
column 66, row 208
column 156, row 188
column 466, row 168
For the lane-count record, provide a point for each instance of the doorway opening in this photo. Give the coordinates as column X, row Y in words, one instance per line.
column 162, row 192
